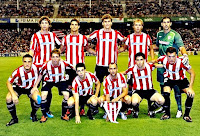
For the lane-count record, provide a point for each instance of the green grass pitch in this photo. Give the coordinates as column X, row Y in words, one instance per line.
column 141, row 126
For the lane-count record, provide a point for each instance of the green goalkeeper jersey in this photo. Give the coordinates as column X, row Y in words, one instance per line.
column 170, row 39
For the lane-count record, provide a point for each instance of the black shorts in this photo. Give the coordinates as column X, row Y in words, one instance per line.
column 147, row 94
column 182, row 84
column 100, row 72
column 21, row 91
column 62, row 86
column 83, row 99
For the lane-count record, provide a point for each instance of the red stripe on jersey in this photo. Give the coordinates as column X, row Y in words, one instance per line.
column 130, row 58
column 134, row 47
column 147, row 82
column 140, row 80
column 97, row 47
column 71, row 50
column 115, row 48
column 110, row 46
column 174, row 68
column 141, row 41
column 77, row 50
column 104, row 46
column 50, row 44
column 83, row 42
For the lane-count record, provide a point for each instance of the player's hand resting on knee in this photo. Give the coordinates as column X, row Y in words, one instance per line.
column 190, row 92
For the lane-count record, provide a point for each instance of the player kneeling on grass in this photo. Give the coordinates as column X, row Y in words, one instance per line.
column 54, row 72
column 143, row 86
column 83, row 93
column 175, row 75
column 115, row 89
column 21, row 82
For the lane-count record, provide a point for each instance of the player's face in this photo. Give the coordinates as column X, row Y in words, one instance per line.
column 55, row 59
column 107, row 23
column 140, row 61
column 171, row 57
column 44, row 25
column 113, row 69
column 74, row 26
column 166, row 24
column 137, row 27
column 27, row 62
column 81, row 72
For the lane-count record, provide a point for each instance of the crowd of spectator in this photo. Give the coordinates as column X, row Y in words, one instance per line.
column 84, row 10
column 26, row 9
column 81, row 8
column 153, row 8
column 13, row 41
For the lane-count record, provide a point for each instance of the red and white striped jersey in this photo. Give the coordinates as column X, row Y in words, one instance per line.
column 55, row 73
column 42, row 45
column 137, row 43
column 84, row 87
column 24, row 79
column 174, row 71
column 74, row 48
column 106, row 48
column 142, row 78
column 113, row 87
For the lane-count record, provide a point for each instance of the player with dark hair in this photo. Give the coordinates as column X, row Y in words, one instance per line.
column 143, row 86
column 175, row 75
column 115, row 89
column 107, row 47
column 54, row 72
column 137, row 42
column 83, row 93
column 75, row 43
column 169, row 38
column 21, row 82
column 42, row 43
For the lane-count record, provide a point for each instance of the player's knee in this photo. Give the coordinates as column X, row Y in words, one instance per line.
column 70, row 102
column 44, row 95
column 94, row 102
column 127, row 99
column 135, row 102
column 161, row 100
column 65, row 95
column 8, row 98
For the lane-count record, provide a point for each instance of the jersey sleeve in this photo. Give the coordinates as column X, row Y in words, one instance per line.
column 14, row 76
column 152, row 66
column 105, row 87
column 120, row 36
column 95, row 79
column 93, row 35
column 57, row 40
column 129, row 70
column 123, row 81
column 185, row 66
column 33, row 42
column 160, row 59
column 74, row 87
column 178, row 40
column 127, row 42
column 85, row 41
column 64, row 41
column 149, row 41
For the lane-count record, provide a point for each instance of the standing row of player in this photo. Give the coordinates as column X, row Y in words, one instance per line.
column 43, row 42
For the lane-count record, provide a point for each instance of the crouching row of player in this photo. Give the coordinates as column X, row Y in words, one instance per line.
column 27, row 77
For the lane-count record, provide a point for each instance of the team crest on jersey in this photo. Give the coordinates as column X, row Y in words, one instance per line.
column 169, row 37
